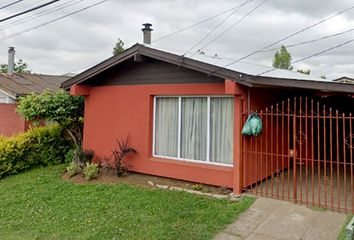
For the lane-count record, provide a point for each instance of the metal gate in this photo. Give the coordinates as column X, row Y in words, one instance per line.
column 304, row 155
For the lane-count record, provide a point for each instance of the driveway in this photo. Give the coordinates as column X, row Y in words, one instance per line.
column 280, row 220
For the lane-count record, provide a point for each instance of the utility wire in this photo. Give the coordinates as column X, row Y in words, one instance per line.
column 40, row 14
column 196, row 24
column 10, row 4
column 217, row 26
column 291, row 35
column 312, row 41
column 233, row 25
column 52, row 21
column 29, row 10
column 313, row 55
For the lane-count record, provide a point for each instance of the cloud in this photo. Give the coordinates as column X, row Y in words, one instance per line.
column 82, row 40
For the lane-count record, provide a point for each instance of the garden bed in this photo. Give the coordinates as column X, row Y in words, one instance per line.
column 107, row 176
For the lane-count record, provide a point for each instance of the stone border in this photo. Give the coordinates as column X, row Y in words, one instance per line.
column 231, row 196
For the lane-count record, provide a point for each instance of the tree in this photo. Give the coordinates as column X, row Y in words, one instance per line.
column 282, row 59
column 59, row 107
column 119, row 47
column 323, row 76
column 304, row 71
column 20, row 67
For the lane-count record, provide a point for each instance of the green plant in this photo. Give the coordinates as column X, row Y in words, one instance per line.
column 79, row 156
column 38, row 147
column 69, row 156
column 20, row 67
column 118, row 159
column 197, row 187
column 119, row 47
column 59, row 107
column 73, row 169
column 91, row 171
column 282, row 59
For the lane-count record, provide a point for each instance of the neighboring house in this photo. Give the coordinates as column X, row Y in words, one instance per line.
column 12, row 86
column 184, row 116
column 344, row 80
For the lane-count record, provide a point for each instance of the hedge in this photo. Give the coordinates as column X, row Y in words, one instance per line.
column 38, row 147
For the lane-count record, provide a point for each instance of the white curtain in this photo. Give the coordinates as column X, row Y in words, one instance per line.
column 194, row 128
column 166, row 126
column 221, row 130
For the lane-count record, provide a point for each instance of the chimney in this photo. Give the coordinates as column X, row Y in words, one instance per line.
column 147, row 33
column 11, row 61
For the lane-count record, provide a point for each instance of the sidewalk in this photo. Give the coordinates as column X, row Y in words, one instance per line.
column 280, row 220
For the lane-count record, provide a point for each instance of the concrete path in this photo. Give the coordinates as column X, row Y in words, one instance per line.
column 280, row 220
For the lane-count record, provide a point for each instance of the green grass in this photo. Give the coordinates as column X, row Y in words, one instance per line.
column 342, row 234
column 39, row 205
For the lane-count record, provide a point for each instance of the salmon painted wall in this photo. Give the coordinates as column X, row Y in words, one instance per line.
column 113, row 112
column 11, row 122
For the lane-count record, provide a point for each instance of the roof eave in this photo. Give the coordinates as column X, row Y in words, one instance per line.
column 304, row 84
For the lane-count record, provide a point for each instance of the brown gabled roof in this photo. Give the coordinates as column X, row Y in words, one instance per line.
column 21, row 84
column 243, row 73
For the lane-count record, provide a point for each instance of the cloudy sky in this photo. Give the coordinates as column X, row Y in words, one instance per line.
column 79, row 41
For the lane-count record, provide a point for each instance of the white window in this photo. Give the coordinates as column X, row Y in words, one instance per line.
column 194, row 128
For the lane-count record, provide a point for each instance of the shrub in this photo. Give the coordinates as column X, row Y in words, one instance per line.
column 117, row 160
column 91, row 171
column 79, row 156
column 73, row 169
column 38, row 147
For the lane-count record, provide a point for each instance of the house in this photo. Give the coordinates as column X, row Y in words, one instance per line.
column 14, row 85
column 184, row 116
column 344, row 79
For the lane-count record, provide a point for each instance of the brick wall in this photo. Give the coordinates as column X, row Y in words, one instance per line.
column 11, row 122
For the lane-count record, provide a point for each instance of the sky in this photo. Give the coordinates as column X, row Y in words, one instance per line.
column 82, row 40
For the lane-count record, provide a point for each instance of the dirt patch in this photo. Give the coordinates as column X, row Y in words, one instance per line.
column 107, row 176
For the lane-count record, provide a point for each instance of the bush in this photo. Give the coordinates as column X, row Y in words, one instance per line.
column 79, row 156
column 38, row 147
column 91, row 171
column 73, row 169
column 118, row 159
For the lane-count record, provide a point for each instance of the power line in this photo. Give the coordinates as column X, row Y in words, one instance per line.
column 314, row 55
column 291, row 35
column 40, row 14
column 10, row 4
column 196, row 24
column 52, row 21
column 233, row 25
column 217, row 26
column 29, row 10
column 312, row 41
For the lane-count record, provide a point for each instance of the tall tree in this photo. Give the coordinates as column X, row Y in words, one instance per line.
column 282, row 59
column 20, row 67
column 119, row 47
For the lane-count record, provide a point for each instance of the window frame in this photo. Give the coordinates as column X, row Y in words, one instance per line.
column 179, row 97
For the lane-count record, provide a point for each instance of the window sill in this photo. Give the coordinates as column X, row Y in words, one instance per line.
column 193, row 163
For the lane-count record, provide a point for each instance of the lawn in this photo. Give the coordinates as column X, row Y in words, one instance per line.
column 38, row 204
